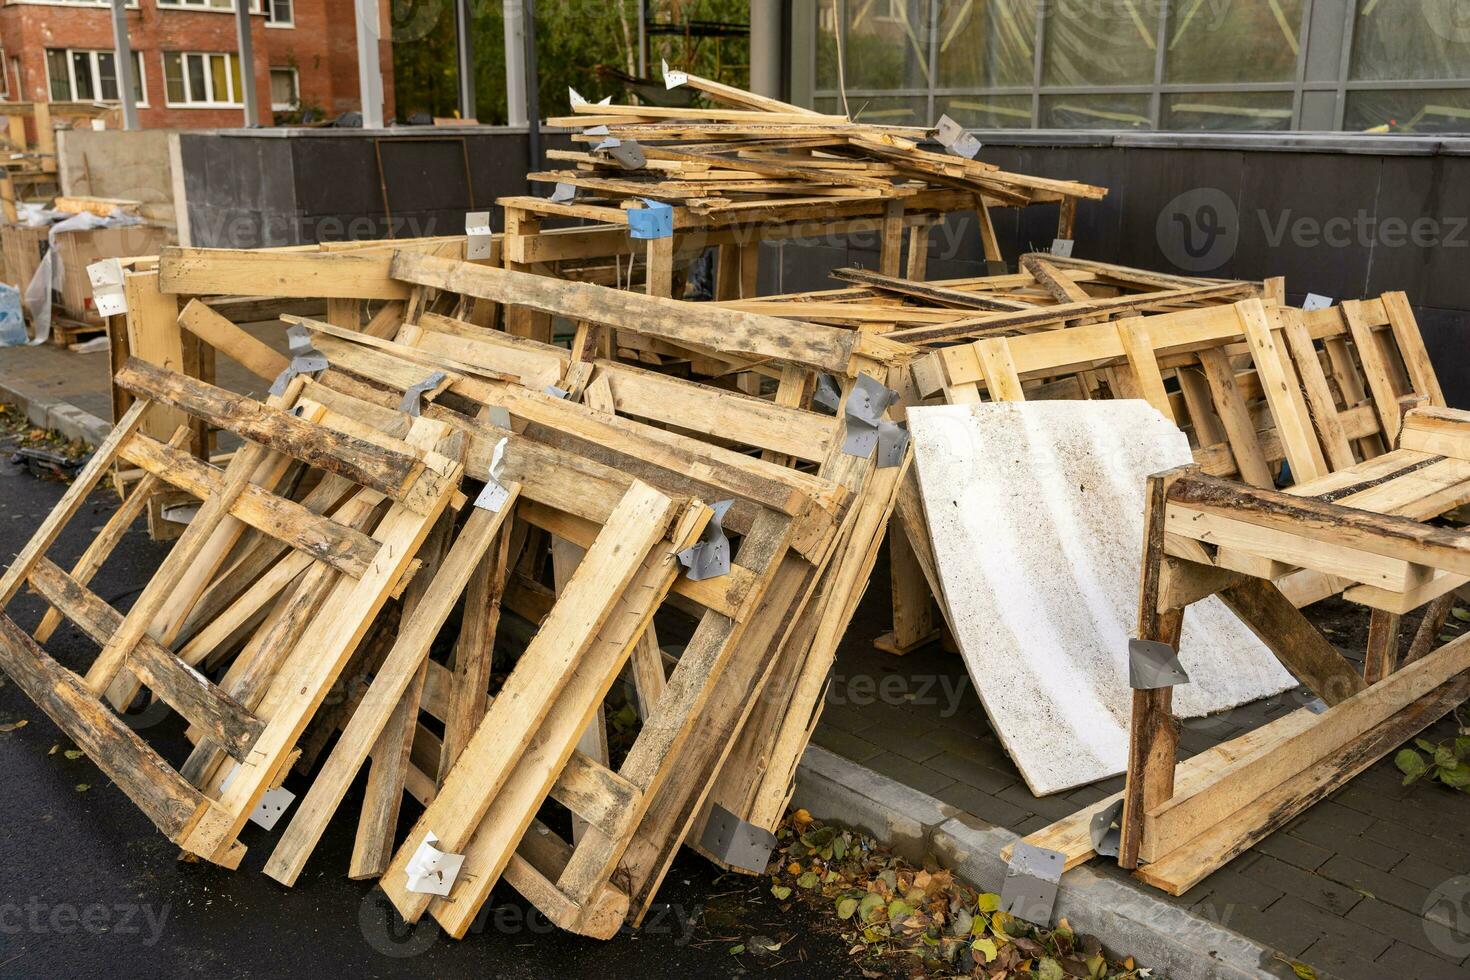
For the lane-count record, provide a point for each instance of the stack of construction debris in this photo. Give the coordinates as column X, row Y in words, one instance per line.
column 494, row 546
column 579, row 601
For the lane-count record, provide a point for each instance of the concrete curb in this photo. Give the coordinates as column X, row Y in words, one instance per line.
column 52, row 413
column 1129, row 919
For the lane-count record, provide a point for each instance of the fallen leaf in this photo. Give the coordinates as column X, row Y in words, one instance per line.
column 737, row 950
column 83, row 787
column 11, row 726
column 73, row 754
column 781, row 892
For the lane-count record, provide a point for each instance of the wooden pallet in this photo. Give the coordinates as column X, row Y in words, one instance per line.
column 1364, row 526
column 245, row 728
column 800, row 534
column 1253, row 384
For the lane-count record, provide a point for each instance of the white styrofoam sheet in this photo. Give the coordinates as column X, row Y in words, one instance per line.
column 1036, row 514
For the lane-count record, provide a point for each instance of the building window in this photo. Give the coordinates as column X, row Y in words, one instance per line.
column 285, row 90
column 193, row 79
column 90, row 76
column 279, row 13
column 255, row 5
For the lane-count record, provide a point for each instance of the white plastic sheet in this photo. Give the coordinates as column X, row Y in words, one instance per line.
column 1035, row 510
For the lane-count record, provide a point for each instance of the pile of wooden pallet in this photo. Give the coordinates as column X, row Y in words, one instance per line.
column 744, row 169
column 480, row 542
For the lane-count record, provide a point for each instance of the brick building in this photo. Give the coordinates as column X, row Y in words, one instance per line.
column 305, row 56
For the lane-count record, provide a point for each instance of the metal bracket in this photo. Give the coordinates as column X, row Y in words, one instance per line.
column 478, row 236
column 654, row 220
column 954, row 138
column 432, row 871
column 107, row 287
column 893, row 442
column 556, row 392
column 413, row 396
column 576, row 98
column 494, row 496
column 827, row 397
column 673, row 78
column 563, row 193
column 1106, row 835
column 1030, row 889
column 305, row 359
column 710, row 556
column 272, row 805
column 1062, row 247
column 735, row 843
column 628, row 154
column 1316, row 706
column 1313, row 302
column 1152, row 665
column 866, row 403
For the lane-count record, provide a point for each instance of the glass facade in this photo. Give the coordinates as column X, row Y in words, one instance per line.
column 1381, row 66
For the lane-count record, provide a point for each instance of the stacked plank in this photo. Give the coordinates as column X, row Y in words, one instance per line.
column 743, row 151
column 476, row 537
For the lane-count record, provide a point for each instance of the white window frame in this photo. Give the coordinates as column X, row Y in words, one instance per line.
column 190, row 102
column 131, row 4
column 256, row 7
column 266, row 9
column 71, row 75
column 295, row 84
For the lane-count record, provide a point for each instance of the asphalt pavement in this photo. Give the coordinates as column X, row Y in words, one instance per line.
column 89, row 888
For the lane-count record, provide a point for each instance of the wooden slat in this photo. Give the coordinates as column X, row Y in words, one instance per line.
column 171, row 804
column 362, row 462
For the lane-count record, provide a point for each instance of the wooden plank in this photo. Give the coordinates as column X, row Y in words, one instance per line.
column 1152, row 738
column 1320, row 402
column 399, row 669
column 508, row 816
column 347, row 614
column 118, row 525
column 1382, row 656
column 1002, row 383
column 474, row 651
column 180, row 686
column 1172, row 823
column 1411, row 347
column 1375, row 369
column 723, row 329
column 252, row 272
column 216, row 331
column 392, row 473
column 636, row 527
column 377, row 820
column 1279, row 383
column 1384, row 535
column 172, row 805
column 1293, row 639
column 1236, row 418
column 1144, row 362
column 321, row 538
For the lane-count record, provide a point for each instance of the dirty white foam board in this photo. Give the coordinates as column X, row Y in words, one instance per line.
column 1035, row 510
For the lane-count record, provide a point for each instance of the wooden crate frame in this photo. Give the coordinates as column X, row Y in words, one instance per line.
column 407, row 481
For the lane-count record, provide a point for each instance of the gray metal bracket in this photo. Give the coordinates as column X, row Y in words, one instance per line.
column 1152, row 665
column 954, row 138
column 867, row 430
column 305, row 359
column 413, row 396
column 735, row 843
column 1032, row 877
column 1106, row 835
column 710, row 557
